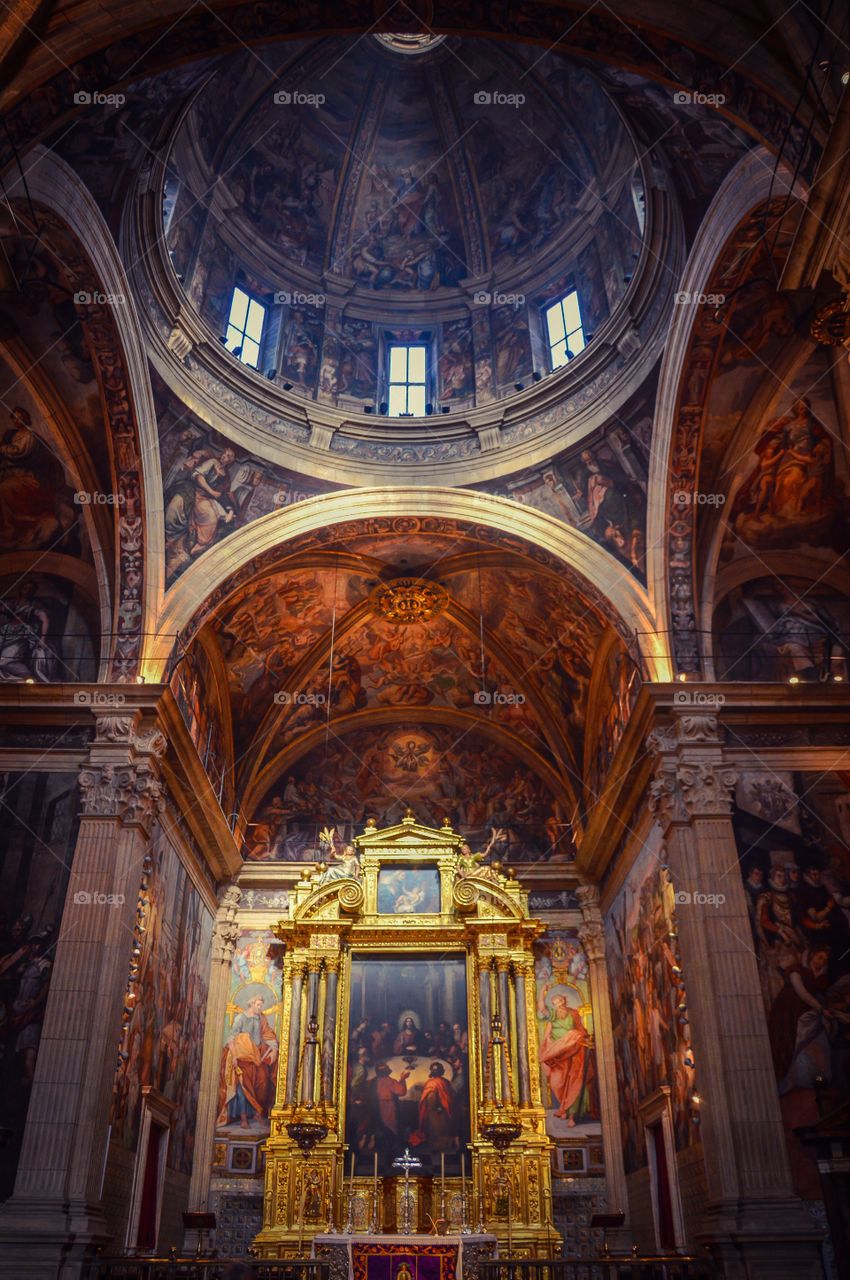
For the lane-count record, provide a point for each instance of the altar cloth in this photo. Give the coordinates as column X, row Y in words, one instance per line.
column 399, row 1257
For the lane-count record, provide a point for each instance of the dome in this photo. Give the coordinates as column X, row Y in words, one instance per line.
column 445, row 190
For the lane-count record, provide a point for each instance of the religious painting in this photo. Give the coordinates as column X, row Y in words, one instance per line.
column 652, row 1045
column 454, row 362
column 793, row 836
column 782, row 628
column 567, row 1049
column 408, row 1061
column 38, row 834
column 47, row 628
column 599, row 488
column 616, row 686
column 251, row 1038
column 408, row 891
column 165, row 1035
column 37, row 508
column 792, row 487
column 212, row 487
column 196, row 691
column 486, row 792
column 511, row 345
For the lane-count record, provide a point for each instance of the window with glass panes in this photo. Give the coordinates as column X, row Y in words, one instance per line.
column 564, row 329
column 245, row 327
column 408, row 371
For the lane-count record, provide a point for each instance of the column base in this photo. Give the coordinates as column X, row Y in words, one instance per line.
column 771, row 1239
column 48, row 1241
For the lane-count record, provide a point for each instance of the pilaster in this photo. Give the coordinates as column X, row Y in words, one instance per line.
column 753, row 1222
column 55, row 1212
column 224, row 939
column 592, row 937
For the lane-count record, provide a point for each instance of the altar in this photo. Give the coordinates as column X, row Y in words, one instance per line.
column 408, row 1047
column 400, row 1257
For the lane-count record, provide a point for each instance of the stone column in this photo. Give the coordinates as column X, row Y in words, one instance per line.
column 55, row 1212
column 224, row 939
column 592, row 937
column 753, row 1220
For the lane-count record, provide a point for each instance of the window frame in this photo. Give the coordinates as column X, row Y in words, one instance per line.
column 560, row 303
column 395, row 345
column 242, row 332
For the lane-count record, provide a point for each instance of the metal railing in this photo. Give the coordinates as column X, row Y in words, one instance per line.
column 191, row 1268
column 603, row 1267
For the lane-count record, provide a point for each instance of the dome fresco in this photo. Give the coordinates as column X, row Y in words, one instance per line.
column 445, row 196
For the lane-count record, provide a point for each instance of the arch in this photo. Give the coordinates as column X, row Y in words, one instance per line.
column 674, row 460
column 113, row 331
column 575, row 550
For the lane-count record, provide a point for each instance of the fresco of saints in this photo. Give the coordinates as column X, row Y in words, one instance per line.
column 563, row 1056
column 246, row 1083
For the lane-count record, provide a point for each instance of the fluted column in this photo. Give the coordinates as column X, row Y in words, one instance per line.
column 224, row 938
column 294, row 1047
column 592, row 937
column 56, row 1206
column 749, row 1185
column 329, row 1032
column 522, row 1035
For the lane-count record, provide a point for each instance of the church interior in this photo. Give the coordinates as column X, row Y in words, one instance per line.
column 424, row 638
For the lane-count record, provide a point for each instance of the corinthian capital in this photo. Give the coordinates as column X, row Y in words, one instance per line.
column 681, row 790
column 131, row 794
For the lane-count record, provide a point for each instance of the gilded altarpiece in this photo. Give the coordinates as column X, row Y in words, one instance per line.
column 415, row 894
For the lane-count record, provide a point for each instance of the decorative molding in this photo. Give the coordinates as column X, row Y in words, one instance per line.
column 226, row 929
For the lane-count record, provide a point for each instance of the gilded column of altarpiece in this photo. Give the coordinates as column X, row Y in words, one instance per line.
column 411, row 906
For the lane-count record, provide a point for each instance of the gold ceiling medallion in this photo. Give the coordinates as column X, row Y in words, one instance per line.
column 831, row 324
column 409, row 600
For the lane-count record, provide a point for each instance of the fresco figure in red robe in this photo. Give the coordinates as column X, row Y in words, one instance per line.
column 562, row 1055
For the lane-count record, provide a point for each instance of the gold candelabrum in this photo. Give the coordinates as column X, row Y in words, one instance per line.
column 340, row 919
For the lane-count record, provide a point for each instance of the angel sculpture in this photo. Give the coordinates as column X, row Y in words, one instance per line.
column 343, row 866
column 470, row 864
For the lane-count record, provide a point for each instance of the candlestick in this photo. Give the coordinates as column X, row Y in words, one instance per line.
column 330, row 1229
column 373, row 1225
column 510, row 1221
column 442, row 1184
column 465, row 1228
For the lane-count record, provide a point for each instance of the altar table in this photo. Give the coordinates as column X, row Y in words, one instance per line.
column 416, row 1257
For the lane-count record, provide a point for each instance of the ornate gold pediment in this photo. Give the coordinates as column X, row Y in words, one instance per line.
column 407, row 875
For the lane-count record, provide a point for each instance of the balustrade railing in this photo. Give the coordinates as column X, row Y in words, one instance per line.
column 604, row 1267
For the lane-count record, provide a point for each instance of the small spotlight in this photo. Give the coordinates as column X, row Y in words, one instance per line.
column 29, row 680
column 287, row 386
column 223, row 338
column 588, row 337
column 627, row 279
column 696, row 1099
column 140, row 679
column 537, row 375
column 793, row 679
column 520, row 386
column 429, row 409
column 445, row 408
column 845, row 77
column 271, row 374
column 570, row 354
column 682, row 676
column 838, row 679
column 369, row 408
column 383, row 407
